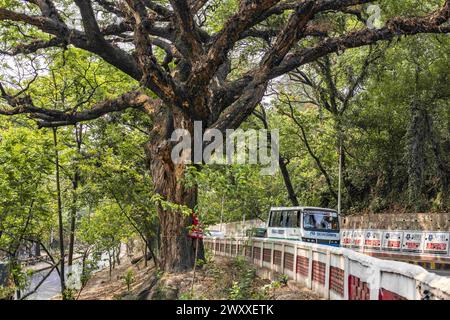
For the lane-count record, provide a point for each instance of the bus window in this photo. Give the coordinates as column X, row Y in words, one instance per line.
column 281, row 219
column 275, row 219
column 292, row 219
column 286, row 219
column 316, row 220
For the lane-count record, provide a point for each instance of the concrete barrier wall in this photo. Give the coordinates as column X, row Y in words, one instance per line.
column 336, row 273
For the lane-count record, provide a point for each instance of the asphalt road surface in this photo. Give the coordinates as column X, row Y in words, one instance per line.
column 445, row 273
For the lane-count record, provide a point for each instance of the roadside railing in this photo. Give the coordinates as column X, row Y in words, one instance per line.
column 336, row 273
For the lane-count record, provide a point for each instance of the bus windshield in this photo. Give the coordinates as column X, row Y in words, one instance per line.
column 320, row 220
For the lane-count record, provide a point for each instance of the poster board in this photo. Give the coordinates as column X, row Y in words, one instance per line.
column 436, row 243
column 372, row 239
column 412, row 241
column 392, row 241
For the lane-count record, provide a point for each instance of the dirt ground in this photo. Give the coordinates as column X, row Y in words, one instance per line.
column 236, row 279
column 103, row 287
column 219, row 278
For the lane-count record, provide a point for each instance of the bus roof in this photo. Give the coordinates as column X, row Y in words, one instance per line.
column 301, row 208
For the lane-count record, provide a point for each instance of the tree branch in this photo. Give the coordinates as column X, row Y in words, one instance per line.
column 34, row 46
column 55, row 118
column 191, row 46
column 432, row 23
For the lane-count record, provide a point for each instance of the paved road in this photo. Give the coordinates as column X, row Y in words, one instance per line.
column 445, row 273
column 51, row 286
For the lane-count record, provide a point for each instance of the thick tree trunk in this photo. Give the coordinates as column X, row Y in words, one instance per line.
column 177, row 249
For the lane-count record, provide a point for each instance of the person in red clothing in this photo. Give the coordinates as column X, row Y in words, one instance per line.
column 196, row 230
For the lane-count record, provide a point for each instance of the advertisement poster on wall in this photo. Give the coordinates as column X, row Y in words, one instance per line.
column 346, row 238
column 358, row 239
column 372, row 240
column 412, row 242
column 392, row 240
column 436, row 243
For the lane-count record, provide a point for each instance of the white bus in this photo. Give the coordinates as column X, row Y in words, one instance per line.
column 308, row 224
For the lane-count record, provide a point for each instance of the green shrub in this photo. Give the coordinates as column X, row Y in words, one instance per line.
column 283, row 279
column 242, row 288
column 69, row 294
column 6, row 293
column 128, row 278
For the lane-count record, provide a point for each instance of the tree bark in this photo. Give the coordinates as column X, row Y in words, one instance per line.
column 177, row 249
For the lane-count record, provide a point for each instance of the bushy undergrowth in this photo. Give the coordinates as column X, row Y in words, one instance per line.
column 232, row 280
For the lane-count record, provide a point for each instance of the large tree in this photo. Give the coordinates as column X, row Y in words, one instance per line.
column 193, row 79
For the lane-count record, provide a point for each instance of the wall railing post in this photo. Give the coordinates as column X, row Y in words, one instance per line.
column 310, row 268
column 237, row 247
column 261, row 253
column 327, row 275
column 346, row 276
column 295, row 263
column 375, row 283
column 272, row 253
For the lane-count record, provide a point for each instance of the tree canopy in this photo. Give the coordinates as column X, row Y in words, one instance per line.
column 112, row 80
